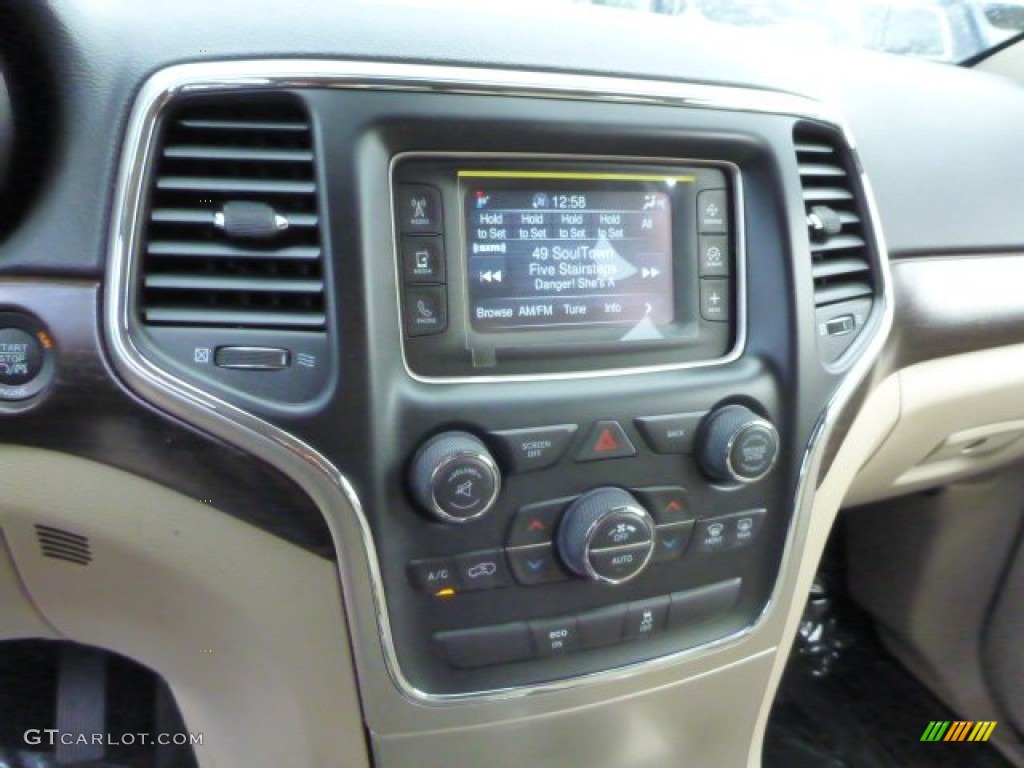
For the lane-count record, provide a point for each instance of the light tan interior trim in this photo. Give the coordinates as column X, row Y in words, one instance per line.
column 247, row 629
column 969, row 398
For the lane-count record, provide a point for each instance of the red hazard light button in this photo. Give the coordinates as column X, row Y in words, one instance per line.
column 606, row 440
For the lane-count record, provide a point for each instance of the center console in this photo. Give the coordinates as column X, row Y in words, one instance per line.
column 562, row 388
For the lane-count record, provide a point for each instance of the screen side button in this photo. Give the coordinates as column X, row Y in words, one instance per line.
column 419, row 210
column 714, row 300
column 712, row 212
column 426, row 311
column 423, row 260
column 714, row 256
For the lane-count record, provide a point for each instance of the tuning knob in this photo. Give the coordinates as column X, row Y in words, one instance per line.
column 606, row 535
column 454, row 477
column 737, row 445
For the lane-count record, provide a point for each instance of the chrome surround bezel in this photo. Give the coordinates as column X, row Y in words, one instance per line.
column 738, row 234
column 588, row 540
column 755, row 422
column 488, row 464
column 329, row 489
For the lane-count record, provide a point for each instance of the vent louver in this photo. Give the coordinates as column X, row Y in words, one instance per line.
column 59, row 544
column 841, row 259
column 232, row 237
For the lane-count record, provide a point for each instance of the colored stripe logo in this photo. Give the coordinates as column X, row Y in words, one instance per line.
column 959, row 730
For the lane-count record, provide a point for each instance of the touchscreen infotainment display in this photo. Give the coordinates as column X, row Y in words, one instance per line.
column 549, row 250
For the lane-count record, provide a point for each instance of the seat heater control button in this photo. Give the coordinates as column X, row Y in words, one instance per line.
column 426, row 311
column 252, row 358
column 419, row 210
column 436, row 577
column 484, row 646
column 21, row 357
column 536, row 523
column 667, row 503
column 671, row 433
column 737, row 445
column 553, row 637
column 713, row 254
column 482, row 570
column 702, row 604
column 714, row 300
column 602, row 627
column 454, row 478
column 606, row 535
column 536, row 565
column 423, row 260
column 646, row 617
column 527, row 450
column 670, row 541
column 606, row 440
column 712, row 212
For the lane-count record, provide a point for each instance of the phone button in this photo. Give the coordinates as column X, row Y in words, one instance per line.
column 426, row 310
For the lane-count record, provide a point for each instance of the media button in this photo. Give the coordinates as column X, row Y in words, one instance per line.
column 423, row 259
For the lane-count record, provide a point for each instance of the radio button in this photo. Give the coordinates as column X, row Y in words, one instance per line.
column 714, row 256
column 426, row 311
column 527, row 450
column 712, row 212
column 423, row 259
column 672, row 433
column 606, row 440
column 714, row 300
column 419, row 210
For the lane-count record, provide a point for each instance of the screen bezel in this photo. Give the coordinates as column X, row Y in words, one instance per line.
column 458, row 355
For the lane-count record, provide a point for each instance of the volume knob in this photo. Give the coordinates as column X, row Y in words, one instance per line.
column 737, row 445
column 454, row 477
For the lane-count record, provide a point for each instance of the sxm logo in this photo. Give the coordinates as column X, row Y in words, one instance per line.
column 959, row 730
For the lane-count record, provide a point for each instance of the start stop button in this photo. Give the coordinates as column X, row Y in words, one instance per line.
column 21, row 357
column 26, row 357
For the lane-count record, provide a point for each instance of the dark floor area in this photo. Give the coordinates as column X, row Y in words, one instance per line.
column 845, row 702
column 133, row 701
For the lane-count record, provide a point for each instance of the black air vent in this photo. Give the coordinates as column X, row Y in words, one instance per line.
column 63, row 545
column 841, row 259
column 233, row 235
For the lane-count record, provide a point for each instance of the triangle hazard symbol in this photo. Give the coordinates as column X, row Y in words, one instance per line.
column 606, row 442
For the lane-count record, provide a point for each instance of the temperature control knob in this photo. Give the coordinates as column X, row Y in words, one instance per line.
column 737, row 445
column 454, row 478
column 606, row 535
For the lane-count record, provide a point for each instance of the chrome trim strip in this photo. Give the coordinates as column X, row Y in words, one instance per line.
column 359, row 569
column 740, row 281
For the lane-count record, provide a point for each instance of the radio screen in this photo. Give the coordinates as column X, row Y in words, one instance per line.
column 556, row 250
